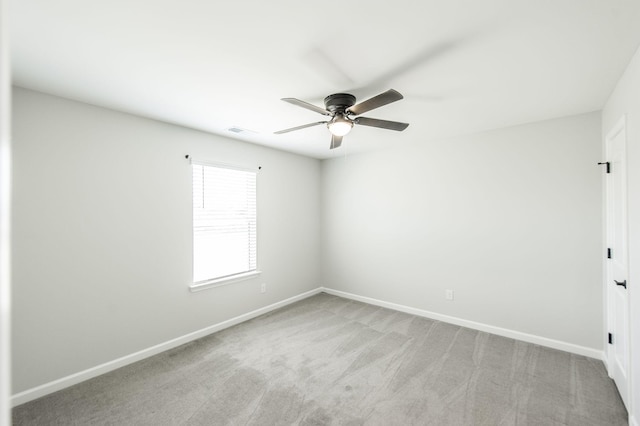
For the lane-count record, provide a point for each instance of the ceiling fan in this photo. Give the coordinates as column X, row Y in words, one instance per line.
column 342, row 109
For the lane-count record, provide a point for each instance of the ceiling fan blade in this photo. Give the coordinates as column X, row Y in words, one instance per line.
column 304, row 126
column 306, row 105
column 383, row 124
column 425, row 56
column 321, row 62
column 375, row 102
column 336, row 141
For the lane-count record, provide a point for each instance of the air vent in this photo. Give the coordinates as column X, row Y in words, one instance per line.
column 235, row 129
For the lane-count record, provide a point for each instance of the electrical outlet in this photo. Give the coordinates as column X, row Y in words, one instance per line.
column 263, row 288
column 448, row 294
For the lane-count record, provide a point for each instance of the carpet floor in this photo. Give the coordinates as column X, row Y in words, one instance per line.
column 330, row 361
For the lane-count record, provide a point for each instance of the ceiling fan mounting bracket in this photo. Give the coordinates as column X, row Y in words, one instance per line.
column 339, row 102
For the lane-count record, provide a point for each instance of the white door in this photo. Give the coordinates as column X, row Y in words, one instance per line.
column 616, row 285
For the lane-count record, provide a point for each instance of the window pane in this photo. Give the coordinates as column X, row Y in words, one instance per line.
column 224, row 222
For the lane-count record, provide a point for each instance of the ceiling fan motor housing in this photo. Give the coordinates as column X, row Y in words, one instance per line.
column 339, row 102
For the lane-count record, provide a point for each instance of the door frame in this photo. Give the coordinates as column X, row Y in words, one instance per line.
column 608, row 289
column 5, row 210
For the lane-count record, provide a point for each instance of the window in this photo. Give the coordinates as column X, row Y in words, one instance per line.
column 224, row 225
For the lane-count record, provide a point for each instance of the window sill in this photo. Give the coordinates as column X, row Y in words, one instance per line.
column 204, row 285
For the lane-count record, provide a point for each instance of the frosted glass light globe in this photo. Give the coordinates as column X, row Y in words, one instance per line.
column 340, row 126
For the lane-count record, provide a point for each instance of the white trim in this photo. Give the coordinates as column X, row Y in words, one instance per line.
column 219, row 282
column 633, row 421
column 605, row 360
column 56, row 385
column 525, row 337
column 5, row 217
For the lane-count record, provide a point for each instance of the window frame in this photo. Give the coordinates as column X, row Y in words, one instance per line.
column 195, row 286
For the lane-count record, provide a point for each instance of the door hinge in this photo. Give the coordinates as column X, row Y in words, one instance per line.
column 608, row 166
column 610, row 339
column 608, row 253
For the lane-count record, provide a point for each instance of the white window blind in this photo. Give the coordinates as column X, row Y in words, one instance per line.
column 224, row 222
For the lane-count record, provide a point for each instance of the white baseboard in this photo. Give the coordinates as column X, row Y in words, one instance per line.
column 605, row 361
column 525, row 337
column 56, row 385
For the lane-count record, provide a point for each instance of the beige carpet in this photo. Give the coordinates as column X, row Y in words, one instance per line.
column 331, row 361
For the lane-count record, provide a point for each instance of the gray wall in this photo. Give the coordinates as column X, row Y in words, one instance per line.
column 509, row 219
column 625, row 100
column 102, row 237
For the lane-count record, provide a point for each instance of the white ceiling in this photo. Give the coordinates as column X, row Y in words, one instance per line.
column 462, row 65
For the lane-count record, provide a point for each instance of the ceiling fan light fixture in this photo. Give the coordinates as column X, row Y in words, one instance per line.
column 340, row 126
